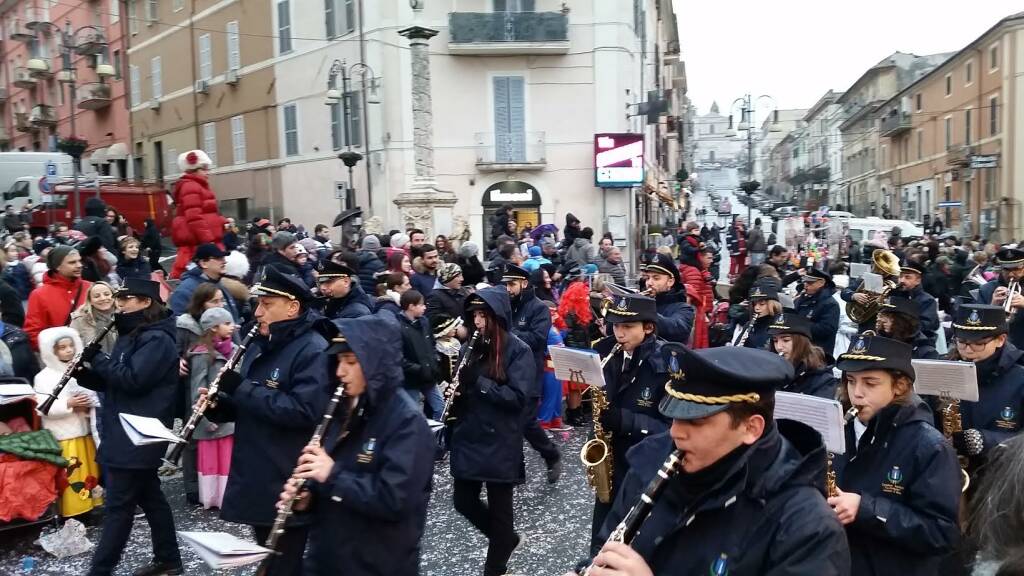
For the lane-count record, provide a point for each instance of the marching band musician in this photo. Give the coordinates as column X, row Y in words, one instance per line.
column 898, row 319
column 817, row 305
column 981, row 337
column 747, row 497
column 911, row 275
column 489, row 416
column 371, row 479
column 339, row 284
column 899, row 481
column 675, row 316
column 275, row 400
column 791, row 339
column 531, row 323
column 1011, row 269
column 634, row 384
column 764, row 307
column 140, row 376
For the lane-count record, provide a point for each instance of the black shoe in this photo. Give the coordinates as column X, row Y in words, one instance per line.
column 160, row 569
column 554, row 470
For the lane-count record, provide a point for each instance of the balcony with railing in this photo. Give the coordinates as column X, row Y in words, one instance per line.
column 895, row 123
column 959, row 154
column 23, row 78
column 43, row 115
column 508, row 32
column 22, row 124
column 93, row 96
column 511, row 151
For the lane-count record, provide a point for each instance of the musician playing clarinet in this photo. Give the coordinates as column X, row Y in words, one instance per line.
column 140, row 377
column 371, row 479
column 276, row 400
column 748, row 495
column 995, row 291
column 635, row 378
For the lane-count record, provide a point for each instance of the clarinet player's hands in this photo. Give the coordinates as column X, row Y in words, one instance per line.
column 314, row 464
column 618, row 559
column 291, row 488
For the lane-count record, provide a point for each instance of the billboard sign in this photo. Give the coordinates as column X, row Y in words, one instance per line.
column 618, row 160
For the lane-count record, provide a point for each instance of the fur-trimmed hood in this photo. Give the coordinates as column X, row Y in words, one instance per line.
column 49, row 337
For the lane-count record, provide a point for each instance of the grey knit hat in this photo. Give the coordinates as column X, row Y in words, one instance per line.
column 399, row 240
column 57, row 256
column 214, row 317
column 371, row 243
column 282, row 240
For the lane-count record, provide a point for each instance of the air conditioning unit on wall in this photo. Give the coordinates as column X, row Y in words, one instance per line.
column 202, row 86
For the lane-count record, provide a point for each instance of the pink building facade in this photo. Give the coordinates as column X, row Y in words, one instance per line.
column 44, row 92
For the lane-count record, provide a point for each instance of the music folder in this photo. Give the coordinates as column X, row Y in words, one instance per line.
column 946, row 379
column 822, row 414
column 580, row 366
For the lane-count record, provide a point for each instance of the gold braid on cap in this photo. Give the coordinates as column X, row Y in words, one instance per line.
column 861, row 357
column 262, row 288
column 752, row 397
column 978, row 328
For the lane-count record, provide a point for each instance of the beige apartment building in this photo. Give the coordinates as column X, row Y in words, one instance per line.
column 201, row 75
column 953, row 138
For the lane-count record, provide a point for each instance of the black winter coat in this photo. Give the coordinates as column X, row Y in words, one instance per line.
column 284, row 392
column 140, row 377
column 928, row 311
column 419, row 359
column 369, row 266
column 821, row 382
column 675, row 316
column 758, row 336
column 370, row 514
column 531, row 322
column 24, row 360
column 353, row 305
column 766, row 515
column 487, row 435
column 909, row 482
column 635, row 394
column 138, row 268
column 95, row 224
column 473, row 271
column 11, row 309
column 445, row 301
column 823, row 312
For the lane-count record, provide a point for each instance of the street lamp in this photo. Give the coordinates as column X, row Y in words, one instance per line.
column 92, row 44
column 747, row 124
column 343, row 96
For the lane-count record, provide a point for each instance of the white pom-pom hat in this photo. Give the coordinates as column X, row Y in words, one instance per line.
column 193, row 160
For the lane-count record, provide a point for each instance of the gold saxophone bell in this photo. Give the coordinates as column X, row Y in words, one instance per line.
column 596, row 453
column 886, row 264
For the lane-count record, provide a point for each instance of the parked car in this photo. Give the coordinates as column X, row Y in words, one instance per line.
column 785, row 212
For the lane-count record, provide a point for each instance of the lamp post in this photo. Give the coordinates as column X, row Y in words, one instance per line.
column 68, row 46
column 344, row 97
column 747, row 124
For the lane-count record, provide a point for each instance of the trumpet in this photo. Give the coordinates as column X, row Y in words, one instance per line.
column 1012, row 289
column 634, row 519
column 830, row 474
column 285, row 510
column 208, row 401
column 70, row 370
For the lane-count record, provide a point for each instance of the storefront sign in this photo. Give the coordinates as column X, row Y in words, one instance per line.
column 618, row 160
column 987, row 161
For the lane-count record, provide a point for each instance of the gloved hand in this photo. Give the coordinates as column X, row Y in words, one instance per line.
column 90, row 351
column 229, row 382
column 611, row 419
column 968, row 442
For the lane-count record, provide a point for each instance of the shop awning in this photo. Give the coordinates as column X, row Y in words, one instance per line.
column 98, row 156
column 117, row 151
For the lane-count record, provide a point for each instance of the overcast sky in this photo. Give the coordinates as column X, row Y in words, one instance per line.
column 795, row 50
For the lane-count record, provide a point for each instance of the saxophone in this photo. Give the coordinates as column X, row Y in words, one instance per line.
column 596, row 453
column 951, row 424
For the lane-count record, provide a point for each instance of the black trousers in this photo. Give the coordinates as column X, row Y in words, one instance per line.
column 495, row 519
column 290, row 547
column 125, row 488
column 536, row 436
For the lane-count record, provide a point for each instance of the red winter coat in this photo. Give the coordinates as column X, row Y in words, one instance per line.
column 49, row 305
column 701, row 297
column 196, row 221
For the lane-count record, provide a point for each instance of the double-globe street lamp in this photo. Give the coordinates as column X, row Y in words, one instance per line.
column 746, row 123
column 344, row 96
column 72, row 42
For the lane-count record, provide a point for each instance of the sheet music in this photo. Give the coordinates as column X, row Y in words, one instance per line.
column 222, row 550
column 872, row 282
column 142, row 430
column 946, row 378
column 582, row 366
column 787, row 301
column 825, row 416
column 857, row 269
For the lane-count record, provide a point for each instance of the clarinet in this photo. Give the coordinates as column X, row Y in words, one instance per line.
column 628, row 528
column 746, row 331
column 449, row 396
column 72, row 366
column 208, row 401
column 285, row 510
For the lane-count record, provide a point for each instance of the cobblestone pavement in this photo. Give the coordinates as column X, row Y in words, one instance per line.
column 555, row 520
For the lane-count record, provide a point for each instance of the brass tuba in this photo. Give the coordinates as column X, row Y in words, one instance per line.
column 887, row 265
column 596, row 454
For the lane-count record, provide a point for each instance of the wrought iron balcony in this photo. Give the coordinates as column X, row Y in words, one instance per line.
column 508, row 32
column 895, row 123
column 90, row 42
column 511, row 151
column 40, row 67
column 93, row 96
column 23, row 78
column 17, row 31
column 22, row 124
column 43, row 115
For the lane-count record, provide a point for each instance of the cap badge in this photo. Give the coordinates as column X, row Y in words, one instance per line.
column 974, row 319
column 859, row 347
column 756, row 292
column 673, row 367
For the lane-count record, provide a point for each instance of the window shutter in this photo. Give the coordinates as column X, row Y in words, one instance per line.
column 234, row 50
column 501, row 119
column 329, row 18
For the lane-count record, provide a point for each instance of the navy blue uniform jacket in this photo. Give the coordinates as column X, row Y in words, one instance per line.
column 370, row 514
column 909, row 482
column 675, row 316
column 531, row 322
column 765, row 516
column 353, row 305
column 997, row 412
column 1017, row 320
column 928, row 310
column 140, row 377
column 487, row 438
column 282, row 397
column 823, row 312
column 820, row 382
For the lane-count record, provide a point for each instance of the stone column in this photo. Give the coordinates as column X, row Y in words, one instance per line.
column 424, row 205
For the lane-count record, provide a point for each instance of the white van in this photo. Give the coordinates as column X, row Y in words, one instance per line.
column 865, row 228
column 18, row 170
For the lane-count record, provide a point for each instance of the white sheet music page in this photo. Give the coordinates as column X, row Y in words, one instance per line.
column 582, row 366
column 946, row 378
column 822, row 414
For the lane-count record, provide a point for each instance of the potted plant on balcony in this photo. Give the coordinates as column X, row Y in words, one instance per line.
column 74, row 146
